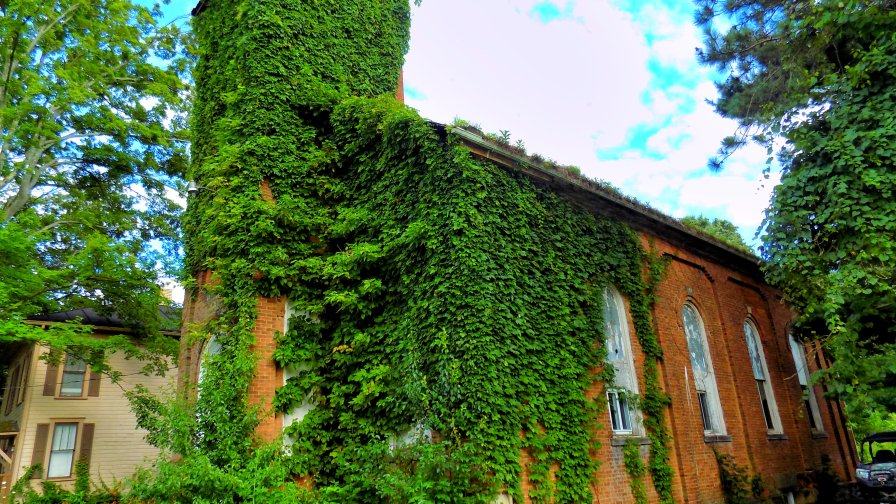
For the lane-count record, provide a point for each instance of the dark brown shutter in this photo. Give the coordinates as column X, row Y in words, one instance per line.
column 86, row 442
column 12, row 390
column 41, row 437
column 50, row 380
column 93, row 385
column 26, row 370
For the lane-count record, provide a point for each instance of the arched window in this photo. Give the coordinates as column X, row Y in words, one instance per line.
column 298, row 412
column 704, row 376
column 760, row 373
column 212, row 347
column 619, row 355
column 802, row 373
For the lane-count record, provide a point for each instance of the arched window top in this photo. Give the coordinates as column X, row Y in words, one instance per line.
column 799, row 358
column 802, row 371
column 624, row 419
column 754, row 347
column 760, row 372
column 695, row 333
column 212, row 347
column 703, row 375
column 616, row 326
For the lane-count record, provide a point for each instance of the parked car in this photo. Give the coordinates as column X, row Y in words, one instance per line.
column 876, row 479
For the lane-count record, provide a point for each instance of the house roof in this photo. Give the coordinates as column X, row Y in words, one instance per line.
column 601, row 199
column 200, row 6
column 170, row 318
column 102, row 324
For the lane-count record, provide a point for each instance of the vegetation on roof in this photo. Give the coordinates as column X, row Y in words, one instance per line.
column 715, row 230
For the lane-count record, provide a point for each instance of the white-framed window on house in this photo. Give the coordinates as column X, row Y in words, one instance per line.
column 77, row 381
column 623, row 416
column 808, row 391
column 62, row 450
column 59, row 444
column 74, row 376
column 703, row 374
column 760, row 373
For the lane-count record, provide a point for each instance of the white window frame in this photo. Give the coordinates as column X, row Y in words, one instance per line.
column 810, row 402
column 705, row 385
column 298, row 413
column 763, row 380
column 625, row 420
column 52, row 448
column 211, row 347
column 68, row 370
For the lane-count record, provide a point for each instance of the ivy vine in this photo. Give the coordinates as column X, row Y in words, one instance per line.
column 634, row 466
column 448, row 313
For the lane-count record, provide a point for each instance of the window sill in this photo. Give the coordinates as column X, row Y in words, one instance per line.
column 777, row 437
column 819, row 435
column 716, row 438
column 70, row 398
column 622, row 440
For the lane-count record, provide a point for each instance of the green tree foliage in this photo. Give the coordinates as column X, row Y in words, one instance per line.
column 92, row 96
column 721, row 229
column 821, row 75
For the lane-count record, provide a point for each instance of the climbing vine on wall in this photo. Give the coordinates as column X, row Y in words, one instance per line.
column 448, row 312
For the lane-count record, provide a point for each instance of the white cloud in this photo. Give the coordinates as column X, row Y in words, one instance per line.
column 555, row 85
column 583, row 85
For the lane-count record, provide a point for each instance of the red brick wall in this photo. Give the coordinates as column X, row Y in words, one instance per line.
column 724, row 298
column 399, row 90
column 198, row 308
column 268, row 377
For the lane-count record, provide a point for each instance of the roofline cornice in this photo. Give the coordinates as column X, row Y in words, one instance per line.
column 596, row 198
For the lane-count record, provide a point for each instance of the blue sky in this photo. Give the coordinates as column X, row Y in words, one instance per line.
column 611, row 86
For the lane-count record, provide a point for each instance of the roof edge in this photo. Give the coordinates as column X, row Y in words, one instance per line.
column 644, row 218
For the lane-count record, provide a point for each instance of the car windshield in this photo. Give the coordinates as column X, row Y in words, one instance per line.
column 884, row 453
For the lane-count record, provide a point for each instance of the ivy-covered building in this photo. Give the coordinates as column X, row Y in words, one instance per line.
column 420, row 312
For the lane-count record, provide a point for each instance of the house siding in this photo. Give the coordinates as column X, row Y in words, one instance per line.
column 118, row 445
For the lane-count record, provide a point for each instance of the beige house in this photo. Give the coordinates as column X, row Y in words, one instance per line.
column 57, row 415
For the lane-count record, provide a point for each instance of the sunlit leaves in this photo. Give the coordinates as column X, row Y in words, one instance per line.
column 92, row 100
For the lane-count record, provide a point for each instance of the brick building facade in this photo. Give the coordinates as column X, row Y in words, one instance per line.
column 782, row 439
column 736, row 385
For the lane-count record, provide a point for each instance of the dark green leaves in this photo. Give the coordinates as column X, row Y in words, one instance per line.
column 819, row 76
